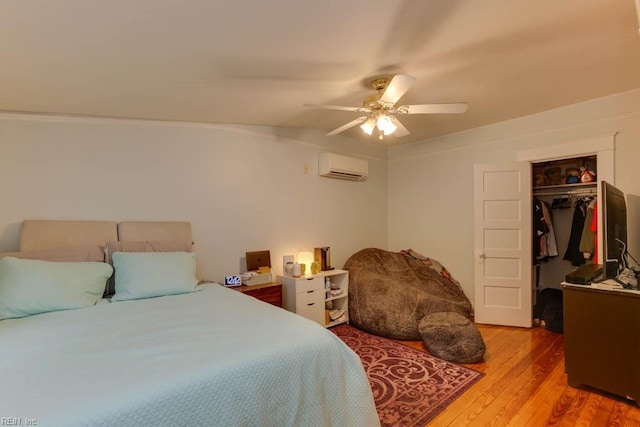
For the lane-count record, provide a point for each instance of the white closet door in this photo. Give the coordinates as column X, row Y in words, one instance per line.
column 502, row 212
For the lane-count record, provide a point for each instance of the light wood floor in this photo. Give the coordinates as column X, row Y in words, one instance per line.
column 525, row 385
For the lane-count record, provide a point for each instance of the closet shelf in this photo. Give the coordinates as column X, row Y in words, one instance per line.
column 567, row 186
column 556, row 190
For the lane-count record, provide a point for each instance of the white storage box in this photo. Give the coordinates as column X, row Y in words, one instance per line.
column 256, row 279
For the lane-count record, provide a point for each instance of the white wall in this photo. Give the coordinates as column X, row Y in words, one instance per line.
column 242, row 188
column 431, row 183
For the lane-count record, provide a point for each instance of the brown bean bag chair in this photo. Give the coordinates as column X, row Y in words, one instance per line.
column 391, row 292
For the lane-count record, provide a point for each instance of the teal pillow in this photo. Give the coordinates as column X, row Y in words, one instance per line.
column 30, row 286
column 152, row 274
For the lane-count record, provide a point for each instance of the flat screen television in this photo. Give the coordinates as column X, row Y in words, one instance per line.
column 614, row 229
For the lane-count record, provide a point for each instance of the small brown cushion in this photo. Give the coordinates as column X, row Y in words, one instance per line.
column 452, row 337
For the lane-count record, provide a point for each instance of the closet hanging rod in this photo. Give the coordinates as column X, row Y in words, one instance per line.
column 588, row 192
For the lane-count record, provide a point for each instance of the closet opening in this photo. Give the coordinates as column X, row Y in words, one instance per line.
column 565, row 223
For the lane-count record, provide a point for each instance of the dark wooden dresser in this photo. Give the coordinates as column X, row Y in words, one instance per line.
column 602, row 339
column 267, row 292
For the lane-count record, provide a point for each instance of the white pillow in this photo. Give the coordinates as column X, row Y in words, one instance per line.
column 30, row 286
column 152, row 274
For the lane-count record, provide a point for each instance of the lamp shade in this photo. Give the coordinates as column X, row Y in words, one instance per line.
column 368, row 126
column 386, row 125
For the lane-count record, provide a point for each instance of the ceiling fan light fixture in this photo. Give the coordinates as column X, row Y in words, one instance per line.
column 368, row 126
column 380, row 108
column 385, row 125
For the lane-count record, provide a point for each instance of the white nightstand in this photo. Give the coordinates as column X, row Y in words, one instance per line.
column 308, row 297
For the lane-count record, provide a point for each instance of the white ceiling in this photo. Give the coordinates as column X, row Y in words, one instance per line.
column 256, row 62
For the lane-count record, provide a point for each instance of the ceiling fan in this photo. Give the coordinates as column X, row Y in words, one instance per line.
column 381, row 107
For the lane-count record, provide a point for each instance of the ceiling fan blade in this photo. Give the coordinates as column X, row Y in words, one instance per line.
column 455, row 107
column 338, row 107
column 398, row 86
column 349, row 125
column 401, row 130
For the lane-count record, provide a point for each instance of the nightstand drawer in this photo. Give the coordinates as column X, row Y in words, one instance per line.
column 311, row 306
column 315, row 295
column 270, row 292
column 304, row 285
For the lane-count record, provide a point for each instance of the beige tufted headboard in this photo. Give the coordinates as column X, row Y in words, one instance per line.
column 39, row 235
column 51, row 234
column 74, row 241
column 154, row 230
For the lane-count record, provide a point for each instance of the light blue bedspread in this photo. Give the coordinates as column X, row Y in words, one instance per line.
column 213, row 358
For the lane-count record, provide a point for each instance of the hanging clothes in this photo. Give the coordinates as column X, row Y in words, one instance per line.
column 544, row 238
column 540, row 228
column 573, row 253
column 594, row 230
column 552, row 246
column 587, row 241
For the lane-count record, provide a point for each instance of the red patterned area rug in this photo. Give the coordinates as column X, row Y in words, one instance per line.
column 410, row 387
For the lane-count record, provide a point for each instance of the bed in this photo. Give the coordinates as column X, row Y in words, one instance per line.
column 209, row 356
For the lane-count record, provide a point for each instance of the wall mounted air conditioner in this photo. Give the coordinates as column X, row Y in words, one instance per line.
column 342, row 167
